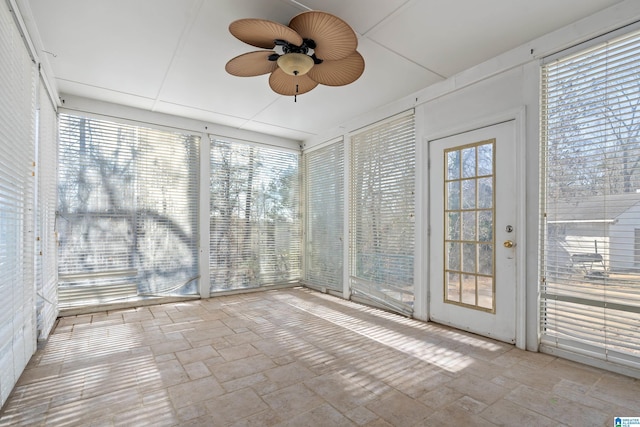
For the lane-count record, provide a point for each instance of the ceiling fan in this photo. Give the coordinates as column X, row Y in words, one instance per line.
column 316, row 48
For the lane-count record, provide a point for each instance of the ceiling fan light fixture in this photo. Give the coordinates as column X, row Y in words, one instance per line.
column 295, row 64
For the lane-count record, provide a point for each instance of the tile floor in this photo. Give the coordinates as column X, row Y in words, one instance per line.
column 299, row 358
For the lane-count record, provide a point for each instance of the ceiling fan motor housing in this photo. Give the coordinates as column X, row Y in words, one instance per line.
column 283, row 47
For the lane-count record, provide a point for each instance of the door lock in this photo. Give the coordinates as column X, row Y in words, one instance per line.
column 508, row 244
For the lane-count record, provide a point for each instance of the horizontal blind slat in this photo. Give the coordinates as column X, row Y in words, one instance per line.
column 18, row 82
column 255, row 235
column 383, row 199
column 591, row 207
column 127, row 201
column 46, row 251
column 324, row 178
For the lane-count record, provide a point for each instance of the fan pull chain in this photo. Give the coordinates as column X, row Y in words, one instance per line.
column 295, row 97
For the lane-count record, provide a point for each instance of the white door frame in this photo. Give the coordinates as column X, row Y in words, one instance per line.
column 519, row 117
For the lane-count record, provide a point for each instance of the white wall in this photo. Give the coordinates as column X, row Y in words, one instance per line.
column 622, row 241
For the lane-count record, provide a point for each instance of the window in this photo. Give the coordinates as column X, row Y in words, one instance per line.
column 46, row 241
column 127, row 202
column 254, row 217
column 324, row 180
column 18, row 80
column 382, row 212
column 590, row 294
column 469, row 223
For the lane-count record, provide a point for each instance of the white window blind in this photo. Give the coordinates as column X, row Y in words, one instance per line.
column 255, row 226
column 324, row 214
column 127, row 202
column 46, row 239
column 382, row 212
column 590, row 293
column 18, row 79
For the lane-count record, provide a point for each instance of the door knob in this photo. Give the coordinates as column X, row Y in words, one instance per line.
column 508, row 244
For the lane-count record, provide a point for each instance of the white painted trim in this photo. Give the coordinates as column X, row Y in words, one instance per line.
column 302, row 214
column 51, row 91
column 421, row 250
column 255, row 143
column 130, row 122
column 346, row 240
column 475, row 124
column 589, row 360
column 204, row 223
column 123, row 305
column 518, row 115
column 22, row 27
column 309, row 149
column 124, row 114
column 27, row 26
column 521, row 230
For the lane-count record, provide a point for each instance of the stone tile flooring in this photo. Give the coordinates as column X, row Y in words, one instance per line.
column 299, row 358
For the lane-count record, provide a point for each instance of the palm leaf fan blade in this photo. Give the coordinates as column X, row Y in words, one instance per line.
column 263, row 33
column 251, row 64
column 334, row 38
column 338, row 73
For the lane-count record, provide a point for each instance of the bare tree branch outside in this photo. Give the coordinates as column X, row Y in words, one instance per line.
column 254, row 216
column 127, row 208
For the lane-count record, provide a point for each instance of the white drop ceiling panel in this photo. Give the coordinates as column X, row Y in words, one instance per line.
column 452, row 36
column 169, row 55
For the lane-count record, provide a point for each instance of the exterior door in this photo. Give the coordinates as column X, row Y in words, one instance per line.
column 472, row 231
